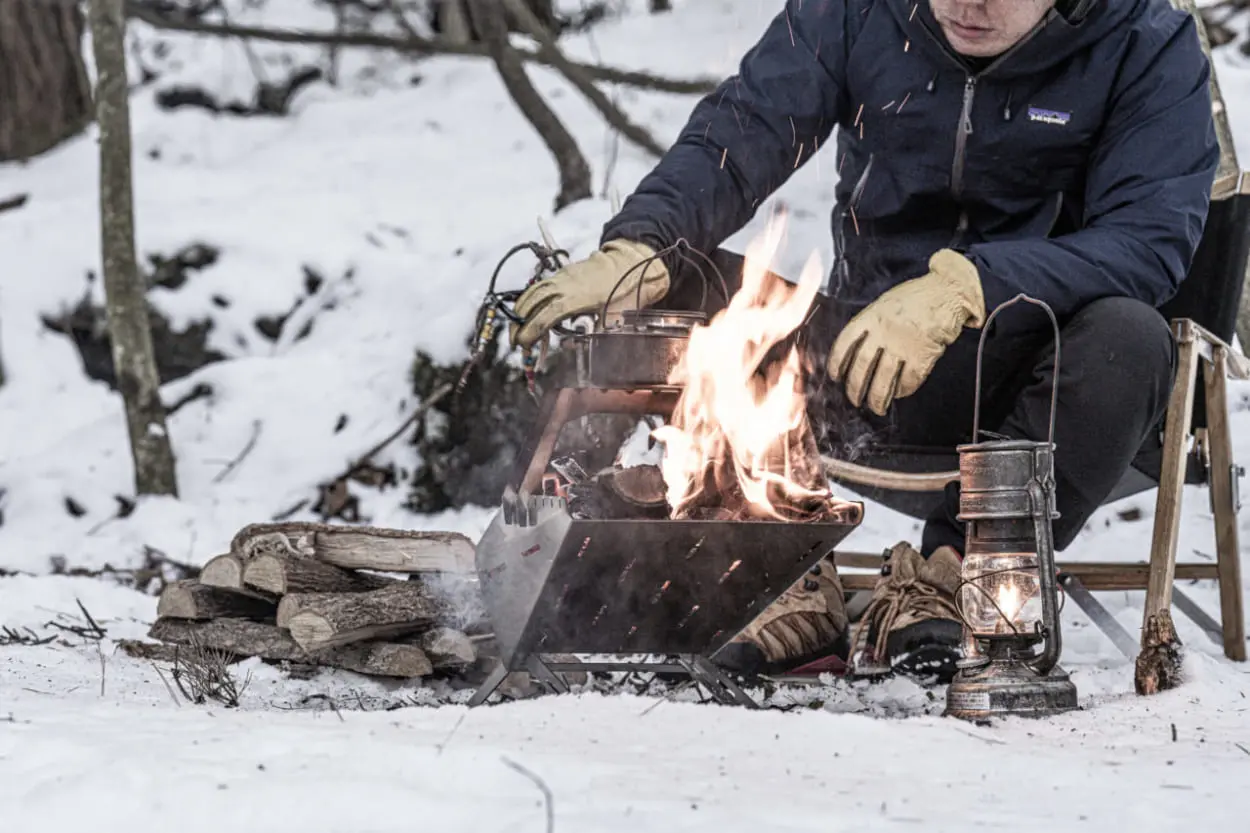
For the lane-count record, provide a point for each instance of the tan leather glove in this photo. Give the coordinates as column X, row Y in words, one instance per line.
column 888, row 349
column 583, row 287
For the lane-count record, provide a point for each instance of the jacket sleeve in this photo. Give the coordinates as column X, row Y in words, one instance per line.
column 744, row 140
column 1146, row 198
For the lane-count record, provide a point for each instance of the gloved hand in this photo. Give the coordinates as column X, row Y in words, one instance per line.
column 888, row 349
column 583, row 287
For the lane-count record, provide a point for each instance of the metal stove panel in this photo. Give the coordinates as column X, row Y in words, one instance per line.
column 639, row 586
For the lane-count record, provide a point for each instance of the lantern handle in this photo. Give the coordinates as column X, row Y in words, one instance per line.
column 1054, row 388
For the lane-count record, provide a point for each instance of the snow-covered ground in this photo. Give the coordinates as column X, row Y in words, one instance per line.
column 401, row 188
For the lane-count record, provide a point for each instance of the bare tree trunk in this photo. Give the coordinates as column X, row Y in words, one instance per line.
column 129, row 326
column 488, row 19
column 44, row 87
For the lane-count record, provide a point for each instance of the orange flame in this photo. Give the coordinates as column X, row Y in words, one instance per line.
column 740, row 424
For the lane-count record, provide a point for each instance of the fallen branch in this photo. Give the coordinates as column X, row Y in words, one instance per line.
column 410, row 45
column 548, row 799
column 242, row 455
column 488, row 18
column 11, row 203
column 430, row 401
column 615, row 118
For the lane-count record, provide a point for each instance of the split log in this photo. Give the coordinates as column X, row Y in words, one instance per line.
column 243, row 637
column 282, row 574
column 223, row 571
column 447, row 648
column 420, row 552
column 288, row 607
column 327, row 620
column 190, row 599
column 359, row 547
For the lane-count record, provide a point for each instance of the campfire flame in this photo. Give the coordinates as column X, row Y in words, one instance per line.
column 739, row 434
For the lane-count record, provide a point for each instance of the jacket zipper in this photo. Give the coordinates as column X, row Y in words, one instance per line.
column 961, row 136
column 964, row 129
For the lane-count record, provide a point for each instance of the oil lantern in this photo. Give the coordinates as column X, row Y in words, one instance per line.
column 1008, row 594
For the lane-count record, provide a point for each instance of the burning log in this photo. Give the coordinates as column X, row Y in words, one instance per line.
column 191, row 599
column 283, row 574
column 326, row 620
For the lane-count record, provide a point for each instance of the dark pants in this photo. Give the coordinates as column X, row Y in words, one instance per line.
column 1117, row 362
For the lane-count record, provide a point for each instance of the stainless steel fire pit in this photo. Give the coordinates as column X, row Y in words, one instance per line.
column 556, row 584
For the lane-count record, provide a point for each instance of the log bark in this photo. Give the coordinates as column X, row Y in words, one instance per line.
column 128, row 322
column 326, row 620
column 223, row 571
column 243, row 637
column 43, row 81
column 488, row 19
column 191, row 599
column 282, row 574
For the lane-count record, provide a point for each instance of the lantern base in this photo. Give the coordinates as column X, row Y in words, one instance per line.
column 1000, row 689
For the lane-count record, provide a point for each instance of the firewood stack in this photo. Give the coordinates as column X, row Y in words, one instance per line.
column 383, row 602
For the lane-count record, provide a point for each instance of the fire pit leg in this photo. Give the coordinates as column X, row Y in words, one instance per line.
column 488, row 686
column 724, row 690
column 539, row 671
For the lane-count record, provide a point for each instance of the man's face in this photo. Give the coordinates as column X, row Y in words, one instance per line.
column 984, row 28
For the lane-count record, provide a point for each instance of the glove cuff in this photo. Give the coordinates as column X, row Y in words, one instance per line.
column 634, row 252
column 962, row 275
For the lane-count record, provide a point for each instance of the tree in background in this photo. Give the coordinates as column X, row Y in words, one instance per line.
column 45, row 95
column 129, row 326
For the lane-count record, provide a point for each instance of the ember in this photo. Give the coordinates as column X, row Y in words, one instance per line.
column 739, row 444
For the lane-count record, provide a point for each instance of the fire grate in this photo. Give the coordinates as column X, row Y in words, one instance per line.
column 558, row 585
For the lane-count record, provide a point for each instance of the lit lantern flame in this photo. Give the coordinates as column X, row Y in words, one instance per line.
column 1010, row 600
column 740, row 424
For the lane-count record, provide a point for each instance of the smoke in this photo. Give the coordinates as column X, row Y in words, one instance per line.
column 461, row 599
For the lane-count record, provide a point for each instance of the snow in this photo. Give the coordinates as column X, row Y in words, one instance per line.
column 400, row 189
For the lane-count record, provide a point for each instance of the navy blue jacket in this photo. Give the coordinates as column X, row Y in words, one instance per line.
column 1078, row 165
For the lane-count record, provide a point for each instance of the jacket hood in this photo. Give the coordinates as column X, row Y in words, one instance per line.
column 1058, row 37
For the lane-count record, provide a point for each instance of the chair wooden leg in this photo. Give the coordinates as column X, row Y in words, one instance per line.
column 1159, row 660
column 1224, row 503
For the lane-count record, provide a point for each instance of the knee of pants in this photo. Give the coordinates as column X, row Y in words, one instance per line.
column 1127, row 345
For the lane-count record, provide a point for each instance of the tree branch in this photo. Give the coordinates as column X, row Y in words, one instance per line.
column 488, row 18
column 411, row 45
column 579, row 79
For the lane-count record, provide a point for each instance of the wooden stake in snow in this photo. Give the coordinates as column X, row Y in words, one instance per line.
column 191, row 599
column 129, row 327
column 326, row 620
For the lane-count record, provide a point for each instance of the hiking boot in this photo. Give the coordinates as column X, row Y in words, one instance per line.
column 805, row 625
column 913, row 624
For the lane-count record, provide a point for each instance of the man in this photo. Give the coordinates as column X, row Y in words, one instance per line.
column 985, row 148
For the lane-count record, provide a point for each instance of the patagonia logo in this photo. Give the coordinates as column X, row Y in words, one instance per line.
column 1041, row 114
